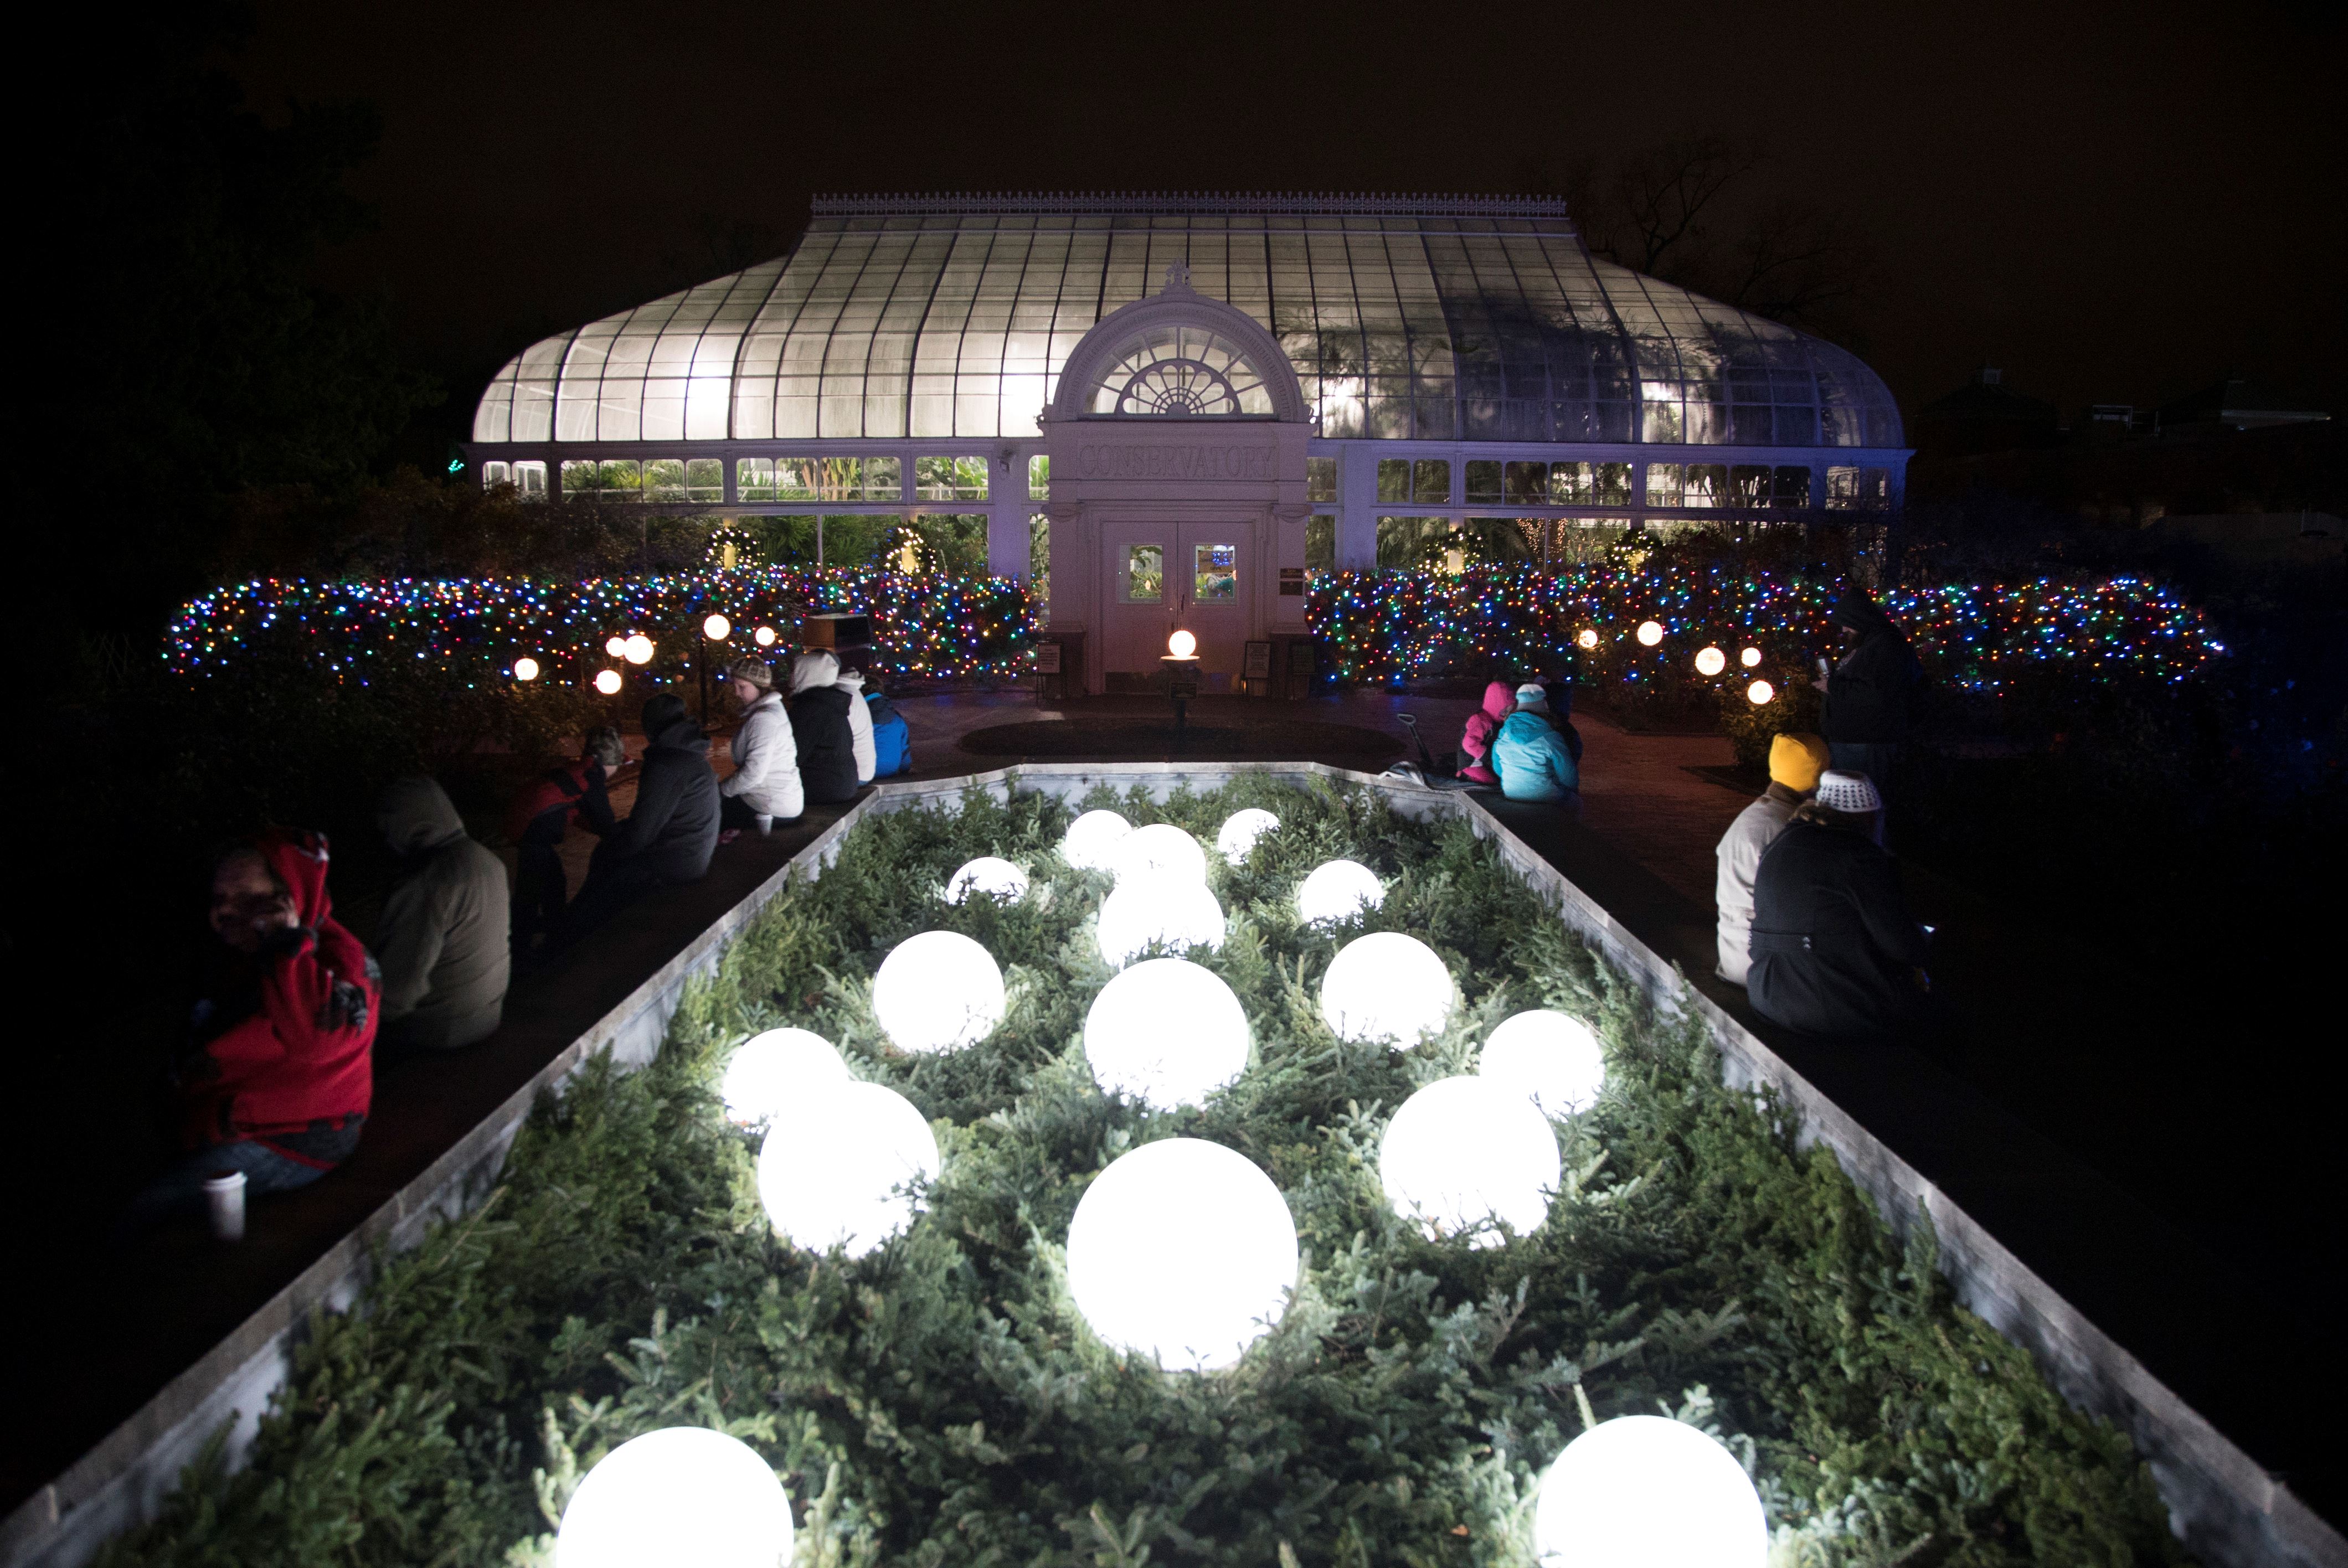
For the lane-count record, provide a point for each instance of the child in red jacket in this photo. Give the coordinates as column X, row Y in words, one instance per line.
column 280, row 1073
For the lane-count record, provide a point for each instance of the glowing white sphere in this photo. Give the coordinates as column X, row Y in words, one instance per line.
column 773, row 1069
column 1241, row 831
column 989, row 877
column 1161, row 849
column 1656, row 1493
column 1182, row 1250
column 1166, row 1032
column 763, row 637
column 1710, row 661
column 1386, row 986
column 607, row 682
column 1182, row 644
column 718, row 628
column 682, row 1494
column 616, row 646
column 1750, row 658
column 1650, row 633
column 938, row 991
column 1464, row 1154
column 638, row 649
column 1170, row 911
column 834, row 1164
column 1550, row 1058
column 525, row 668
column 1586, row 638
column 1339, row 891
column 1092, row 838
column 1759, row 693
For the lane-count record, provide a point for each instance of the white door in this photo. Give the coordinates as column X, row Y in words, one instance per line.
column 1187, row 575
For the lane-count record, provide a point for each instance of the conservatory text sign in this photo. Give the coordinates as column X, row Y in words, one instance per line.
column 1201, row 462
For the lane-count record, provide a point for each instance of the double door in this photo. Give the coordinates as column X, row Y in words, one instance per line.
column 1170, row 577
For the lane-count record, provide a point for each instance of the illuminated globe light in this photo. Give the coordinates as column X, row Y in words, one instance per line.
column 1092, row 838
column 938, row 991
column 1710, row 661
column 616, row 646
column 773, row 1069
column 525, row 668
column 1759, row 693
column 1160, row 849
column 638, row 649
column 1338, row 892
column 836, row 1164
column 1166, row 1032
column 682, row 1494
column 1182, row 1250
column 989, row 877
column 1163, row 911
column 1650, row 633
column 1585, row 638
column 1750, row 658
column 763, row 637
column 1241, row 830
column 607, row 682
column 1550, row 1058
column 1464, row 1155
column 718, row 628
column 1183, row 645
column 1646, row 1491
column 1386, row 986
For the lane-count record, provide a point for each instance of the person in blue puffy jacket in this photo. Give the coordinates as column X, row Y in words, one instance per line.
column 1531, row 758
column 892, row 740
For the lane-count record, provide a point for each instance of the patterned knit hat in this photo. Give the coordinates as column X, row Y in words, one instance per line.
column 1853, row 794
column 755, row 672
column 1531, row 698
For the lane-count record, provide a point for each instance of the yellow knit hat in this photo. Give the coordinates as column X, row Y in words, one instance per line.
column 1797, row 761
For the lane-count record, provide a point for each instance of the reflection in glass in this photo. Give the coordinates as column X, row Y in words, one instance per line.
column 1143, row 580
column 1215, row 574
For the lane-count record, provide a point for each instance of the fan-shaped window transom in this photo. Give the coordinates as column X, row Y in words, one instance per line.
column 1184, row 372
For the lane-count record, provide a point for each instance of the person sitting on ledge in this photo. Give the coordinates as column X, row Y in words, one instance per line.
column 1531, row 758
column 542, row 817
column 859, row 717
column 445, row 940
column 1476, row 740
column 1834, row 950
column 278, row 1072
column 667, row 840
column 1795, row 764
column 764, row 787
column 820, row 726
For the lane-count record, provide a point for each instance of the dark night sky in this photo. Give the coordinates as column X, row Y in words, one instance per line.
column 2114, row 203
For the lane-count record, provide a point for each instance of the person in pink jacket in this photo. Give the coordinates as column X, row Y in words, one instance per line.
column 1476, row 743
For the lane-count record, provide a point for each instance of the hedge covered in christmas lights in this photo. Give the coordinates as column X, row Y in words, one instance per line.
column 942, row 1401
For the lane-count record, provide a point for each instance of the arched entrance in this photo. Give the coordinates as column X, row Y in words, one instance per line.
column 1177, row 442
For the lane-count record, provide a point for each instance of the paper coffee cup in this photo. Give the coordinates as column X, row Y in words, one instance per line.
column 224, row 1196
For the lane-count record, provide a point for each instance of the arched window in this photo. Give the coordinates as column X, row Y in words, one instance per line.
column 1187, row 371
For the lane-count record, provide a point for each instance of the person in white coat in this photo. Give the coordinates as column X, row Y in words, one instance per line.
column 764, row 787
column 860, row 725
column 1796, row 763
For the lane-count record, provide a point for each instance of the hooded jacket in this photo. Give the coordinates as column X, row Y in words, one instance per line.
column 444, row 940
column 1741, row 848
column 1871, row 697
column 1475, row 741
column 819, row 725
column 1834, row 950
column 1532, row 759
column 766, row 775
column 859, row 726
column 289, row 1042
column 673, row 831
column 579, row 788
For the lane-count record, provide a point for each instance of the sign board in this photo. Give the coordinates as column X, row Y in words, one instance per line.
column 1292, row 582
column 1257, row 662
column 1047, row 659
column 1300, row 666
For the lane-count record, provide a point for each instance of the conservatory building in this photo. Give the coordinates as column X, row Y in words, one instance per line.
column 1166, row 410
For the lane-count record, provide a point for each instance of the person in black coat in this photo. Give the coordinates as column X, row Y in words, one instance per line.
column 1871, row 693
column 668, row 837
column 820, row 727
column 1834, row 950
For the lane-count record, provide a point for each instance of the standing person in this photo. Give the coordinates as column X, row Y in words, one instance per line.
column 1531, row 757
column 1795, row 764
column 1834, row 950
column 827, row 746
column 667, row 839
column 764, row 787
column 860, row 720
column 542, row 818
column 1871, row 693
column 278, row 1075
column 1476, row 740
column 445, row 942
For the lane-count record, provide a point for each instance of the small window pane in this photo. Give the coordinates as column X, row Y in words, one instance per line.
column 1215, row 574
column 884, row 479
column 1611, row 484
column 1039, row 562
column 1430, row 480
column 1394, row 479
column 1411, row 541
column 1707, row 484
column 1039, row 479
column 1748, row 485
column 1666, row 482
column 579, row 478
column 529, row 478
column 665, row 479
column 1569, row 485
column 1321, row 542
column 1791, row 487
column 798, row 480
column 1527, row 484
column 1483, row 484
column 948, row 479
column 1143, row 580
column 1319, row 479
column 840, row 478
column 495, row 474
column 704, row 479
column 754, row 479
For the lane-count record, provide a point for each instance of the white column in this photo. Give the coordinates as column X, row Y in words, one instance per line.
column 1357, row 507
column 1007, row 508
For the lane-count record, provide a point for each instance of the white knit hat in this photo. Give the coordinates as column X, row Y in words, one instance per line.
column 1529, row 695
column 1851, row 793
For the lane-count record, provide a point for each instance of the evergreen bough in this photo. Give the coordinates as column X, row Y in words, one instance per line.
column 941, row 1401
